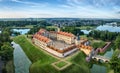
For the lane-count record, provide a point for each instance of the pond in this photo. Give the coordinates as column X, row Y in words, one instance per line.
column 98, row 69
column 109, row 53
column 103, row 28
column 102, row 69
column 86, row 31
column 109, row 28
column 22, row 31
column 21, row 61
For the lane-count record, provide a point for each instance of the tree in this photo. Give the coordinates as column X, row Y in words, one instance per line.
column 117, row 42
column 115, row 63
column 6, row 51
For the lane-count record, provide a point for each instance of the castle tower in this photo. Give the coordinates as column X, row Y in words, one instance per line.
column 77, row 40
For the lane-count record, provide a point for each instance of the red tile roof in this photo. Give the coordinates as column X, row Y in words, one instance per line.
column 41, row 31
column 41, row 38
column 85, row 47
column 66, row 34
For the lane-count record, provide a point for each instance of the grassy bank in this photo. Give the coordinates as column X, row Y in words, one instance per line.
column 41, row 62
column 80, row 61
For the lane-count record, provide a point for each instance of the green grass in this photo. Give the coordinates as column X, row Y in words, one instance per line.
column 41, row 62
column 61, row 64
column 27, row 26
column 51, row 27
column 83, row 36
column 87, row 27
column 98, row 44
column 80, row 61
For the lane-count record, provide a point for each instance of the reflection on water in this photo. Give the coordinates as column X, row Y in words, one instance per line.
column 101, row 69
column 21, row 61
column 86, row 31
column 109, row 53
column 109, row 28
column 98, row 69
column 22, row 31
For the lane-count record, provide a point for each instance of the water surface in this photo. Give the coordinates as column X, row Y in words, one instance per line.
column 109, row 28
column 22, row 31
column 21, row 61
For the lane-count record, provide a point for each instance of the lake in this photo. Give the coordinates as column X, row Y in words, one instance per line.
column 104, row 28
column 109, row 28
column 22, row 31
column 86, row 31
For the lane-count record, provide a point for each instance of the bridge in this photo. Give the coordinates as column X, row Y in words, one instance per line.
column 103, row 58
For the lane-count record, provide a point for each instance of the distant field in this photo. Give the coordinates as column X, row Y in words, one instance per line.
column 51, row 27
column 41, row 62
column 27, row 26
column 87, row 27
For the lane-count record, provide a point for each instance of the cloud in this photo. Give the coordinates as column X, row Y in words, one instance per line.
column 32, row 4
column 66, row 8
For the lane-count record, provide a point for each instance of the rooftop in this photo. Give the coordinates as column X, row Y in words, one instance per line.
column 42, row 38
column 66, row 34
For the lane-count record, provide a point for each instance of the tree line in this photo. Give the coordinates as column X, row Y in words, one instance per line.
column 21, row 23
column 103, row 35
column 115, row 61
column 6, row 50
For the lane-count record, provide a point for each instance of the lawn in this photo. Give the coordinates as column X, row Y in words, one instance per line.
column 98, row 44
column 87, row 27
column 80, row 61
column 51, row 27
column 61, row 64
column 41, row 62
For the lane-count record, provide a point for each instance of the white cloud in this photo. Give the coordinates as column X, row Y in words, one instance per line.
column 32, row 4
column 72, row 8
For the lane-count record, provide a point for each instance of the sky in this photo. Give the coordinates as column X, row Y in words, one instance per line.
column 60, row 8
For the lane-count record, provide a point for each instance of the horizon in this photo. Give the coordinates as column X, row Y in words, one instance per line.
column 94, row 9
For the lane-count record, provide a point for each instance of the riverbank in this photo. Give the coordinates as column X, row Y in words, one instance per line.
column 41, row 61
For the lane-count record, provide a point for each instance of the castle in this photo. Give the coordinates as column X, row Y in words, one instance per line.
column 59, row 43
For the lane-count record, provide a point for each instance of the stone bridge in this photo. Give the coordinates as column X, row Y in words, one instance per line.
column 103, row 58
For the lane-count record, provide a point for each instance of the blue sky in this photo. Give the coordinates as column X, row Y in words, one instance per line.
column 60, row 8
